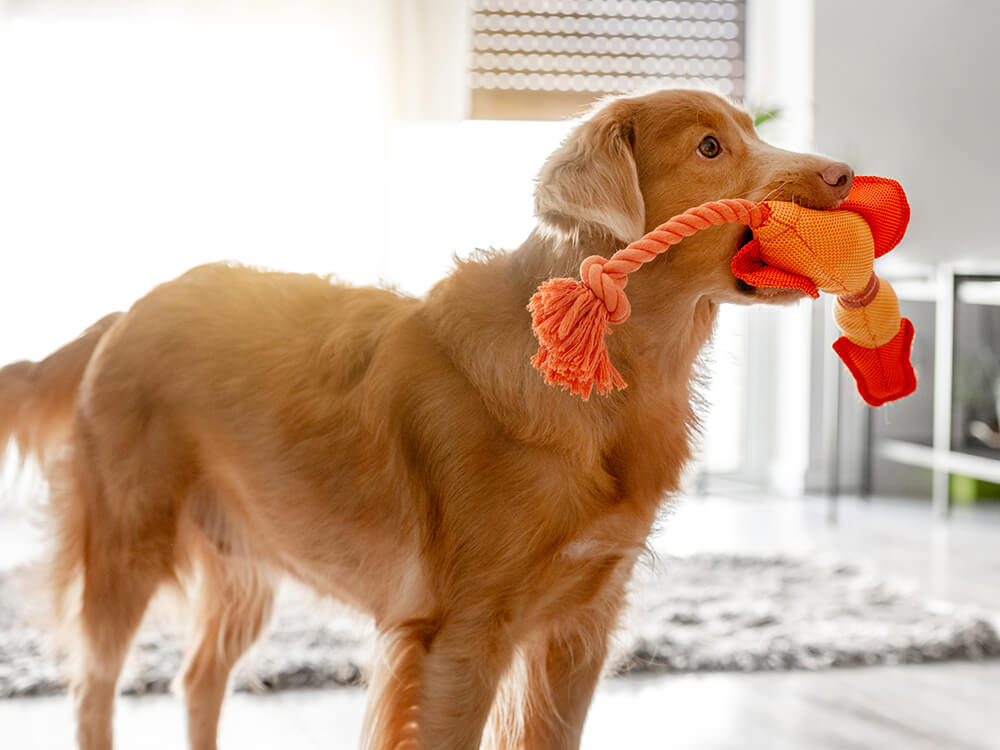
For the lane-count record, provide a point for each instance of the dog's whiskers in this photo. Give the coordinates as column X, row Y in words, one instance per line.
column 777, row 189
column 747, row 193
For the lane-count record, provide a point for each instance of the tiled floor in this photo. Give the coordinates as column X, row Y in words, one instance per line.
column 945, row 707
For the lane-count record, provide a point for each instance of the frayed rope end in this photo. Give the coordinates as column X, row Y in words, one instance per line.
column 570, row 323
column 570, row 318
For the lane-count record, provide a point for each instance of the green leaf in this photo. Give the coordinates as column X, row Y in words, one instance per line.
column 759, row 118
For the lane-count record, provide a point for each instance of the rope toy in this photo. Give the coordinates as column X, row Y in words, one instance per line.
column 793, row 247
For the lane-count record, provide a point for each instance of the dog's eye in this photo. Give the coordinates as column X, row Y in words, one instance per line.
column 709, row 147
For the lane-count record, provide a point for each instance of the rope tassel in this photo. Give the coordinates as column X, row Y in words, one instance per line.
column 571, row 317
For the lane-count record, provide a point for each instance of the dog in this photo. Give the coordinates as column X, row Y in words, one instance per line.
column 401, row 454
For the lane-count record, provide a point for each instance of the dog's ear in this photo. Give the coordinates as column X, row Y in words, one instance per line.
column 592, row 177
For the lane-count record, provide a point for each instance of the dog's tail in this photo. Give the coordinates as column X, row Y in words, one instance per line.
column 38, row 399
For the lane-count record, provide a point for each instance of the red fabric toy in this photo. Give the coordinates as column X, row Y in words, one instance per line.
column 792, row 248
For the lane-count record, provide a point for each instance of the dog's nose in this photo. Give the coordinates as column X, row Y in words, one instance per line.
column 838, row 176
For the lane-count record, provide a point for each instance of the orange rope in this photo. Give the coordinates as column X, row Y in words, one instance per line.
column 607, row 277
column 570, row 317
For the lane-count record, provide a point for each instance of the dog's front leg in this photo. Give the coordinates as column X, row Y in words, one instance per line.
column 562, row 673
column 565, row 663
column 461, row 674
column 434, row 684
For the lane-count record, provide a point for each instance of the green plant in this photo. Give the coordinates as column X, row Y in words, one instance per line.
column 762, row 116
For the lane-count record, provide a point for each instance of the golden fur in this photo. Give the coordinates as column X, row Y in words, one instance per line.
column 399, row 454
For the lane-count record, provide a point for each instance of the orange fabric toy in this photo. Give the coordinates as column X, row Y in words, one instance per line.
column 792, row 248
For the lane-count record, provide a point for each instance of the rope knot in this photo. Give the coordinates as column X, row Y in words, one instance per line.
column 570, row 317
column 609, row 287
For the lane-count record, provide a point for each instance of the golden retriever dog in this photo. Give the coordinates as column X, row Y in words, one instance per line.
column 401, row 454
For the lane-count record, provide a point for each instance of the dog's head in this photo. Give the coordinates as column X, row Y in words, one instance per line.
column 638, row 161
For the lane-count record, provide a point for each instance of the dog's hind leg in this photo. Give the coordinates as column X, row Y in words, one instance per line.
column 113, row 605
column 232, row 602
column 121, row 560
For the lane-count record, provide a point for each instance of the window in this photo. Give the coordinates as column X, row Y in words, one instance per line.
column 547, row 59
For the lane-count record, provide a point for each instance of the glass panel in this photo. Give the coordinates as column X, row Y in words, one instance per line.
column 910, row 419
column 975, row 424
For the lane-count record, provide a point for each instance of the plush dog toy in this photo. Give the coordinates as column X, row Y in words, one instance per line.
column 792, row 248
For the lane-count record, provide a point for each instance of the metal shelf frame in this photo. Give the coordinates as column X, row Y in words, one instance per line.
column 940, row 458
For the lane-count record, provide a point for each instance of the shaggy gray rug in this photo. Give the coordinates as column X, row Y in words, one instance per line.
column 689, row 614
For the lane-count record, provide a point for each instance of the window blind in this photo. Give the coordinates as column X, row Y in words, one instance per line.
column 546, row 59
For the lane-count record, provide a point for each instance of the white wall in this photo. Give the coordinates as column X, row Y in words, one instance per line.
column 909, row 89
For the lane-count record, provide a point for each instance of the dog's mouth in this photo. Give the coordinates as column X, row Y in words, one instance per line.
column 764, row 294
column 744, row 287
column 746, row 237
column 776, row 296
column 768, row 295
